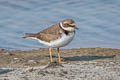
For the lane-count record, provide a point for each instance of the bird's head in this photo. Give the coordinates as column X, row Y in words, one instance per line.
column 68, row 25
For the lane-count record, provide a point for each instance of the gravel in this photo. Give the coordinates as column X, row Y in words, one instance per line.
column 91, row 70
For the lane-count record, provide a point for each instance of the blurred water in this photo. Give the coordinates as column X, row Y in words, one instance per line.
column 98, row 21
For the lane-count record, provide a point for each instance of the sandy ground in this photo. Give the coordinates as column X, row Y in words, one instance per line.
column 82, row 64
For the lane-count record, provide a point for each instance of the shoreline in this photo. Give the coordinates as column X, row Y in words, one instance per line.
column 83, row 63
column 41, row 57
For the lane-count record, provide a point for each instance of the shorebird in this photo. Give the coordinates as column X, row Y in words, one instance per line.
column 55, row 36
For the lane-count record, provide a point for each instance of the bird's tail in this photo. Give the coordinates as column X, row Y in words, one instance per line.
column 29, row 35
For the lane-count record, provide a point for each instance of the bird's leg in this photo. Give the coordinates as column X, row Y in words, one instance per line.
column 50, row 51
column 59, row 58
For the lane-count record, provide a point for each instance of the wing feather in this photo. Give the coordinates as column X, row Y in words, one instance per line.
column 49, row 34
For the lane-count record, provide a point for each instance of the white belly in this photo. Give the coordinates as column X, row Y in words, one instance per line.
column 60, row 42
column 64, row 40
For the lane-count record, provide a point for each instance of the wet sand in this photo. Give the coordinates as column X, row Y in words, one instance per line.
column 82, row 64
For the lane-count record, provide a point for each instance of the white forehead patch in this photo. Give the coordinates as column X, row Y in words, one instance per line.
column 65, row 22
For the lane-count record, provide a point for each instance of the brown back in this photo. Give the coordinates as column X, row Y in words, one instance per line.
column 51, row 33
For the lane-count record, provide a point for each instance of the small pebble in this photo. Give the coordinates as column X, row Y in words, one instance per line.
column 32, row 61
column 15, row 58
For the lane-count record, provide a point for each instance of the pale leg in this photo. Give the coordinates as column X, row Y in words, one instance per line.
column 50, row 51
column 59, row 58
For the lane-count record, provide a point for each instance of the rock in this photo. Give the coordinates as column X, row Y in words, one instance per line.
column 32, row 61
column 2, row 50
column 15, row 58
column 8, row 53
column 29, row 69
